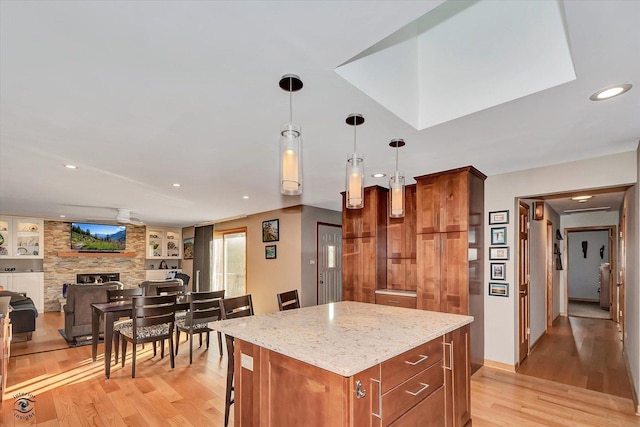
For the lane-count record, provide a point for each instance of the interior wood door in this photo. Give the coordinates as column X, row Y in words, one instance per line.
column 523, row 282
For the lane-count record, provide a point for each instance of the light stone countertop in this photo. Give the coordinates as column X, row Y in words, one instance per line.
column 345, row 337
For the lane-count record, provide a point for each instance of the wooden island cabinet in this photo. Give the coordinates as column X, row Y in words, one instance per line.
column 351, row 364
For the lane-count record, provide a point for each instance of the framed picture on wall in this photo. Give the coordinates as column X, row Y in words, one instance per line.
column 499, row 236
column 270, row 252
column 499, row 253
column 498, row 271
column 187, row 252
column 270, row 230
column 498, row 217
column 499, row 289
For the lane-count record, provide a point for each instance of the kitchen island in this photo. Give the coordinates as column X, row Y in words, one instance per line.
column 351, row 364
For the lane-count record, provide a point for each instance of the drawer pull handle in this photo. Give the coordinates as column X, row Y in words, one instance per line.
column 422, row 359
column 379, row 414
column 424, row 387
column 395, row 301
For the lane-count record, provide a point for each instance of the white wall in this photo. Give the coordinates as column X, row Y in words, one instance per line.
column 577, row 220
column 583, row 271
column 501, row 192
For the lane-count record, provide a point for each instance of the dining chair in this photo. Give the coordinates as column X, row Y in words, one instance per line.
column 204, row 307
column 288, row 300
column 116, row 295
column 171, row 289
column 153, row 319
column 231, row 308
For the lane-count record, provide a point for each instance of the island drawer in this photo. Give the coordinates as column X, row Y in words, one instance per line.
column 429, row 412
column 396, row 300
column 404, row 397
column 404, row 366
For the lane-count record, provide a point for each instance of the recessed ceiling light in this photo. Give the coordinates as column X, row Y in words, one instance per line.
column 70, row 166
column 580, row 198
column 63, row 216
column 176, row 184
column 245, row 197
column 610, row 92
column 378, row 175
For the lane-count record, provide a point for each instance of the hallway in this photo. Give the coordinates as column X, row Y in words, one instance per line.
column 583, row 352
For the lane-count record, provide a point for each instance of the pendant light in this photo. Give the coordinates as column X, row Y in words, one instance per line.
column 355, row 168
column 396, row 185
column 290, row 144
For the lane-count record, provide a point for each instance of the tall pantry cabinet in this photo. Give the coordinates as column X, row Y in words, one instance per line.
column 450, row 248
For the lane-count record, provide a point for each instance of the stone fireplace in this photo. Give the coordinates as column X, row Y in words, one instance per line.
column 97, row 278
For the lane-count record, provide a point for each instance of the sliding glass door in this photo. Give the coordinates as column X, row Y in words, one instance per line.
column 229, row 270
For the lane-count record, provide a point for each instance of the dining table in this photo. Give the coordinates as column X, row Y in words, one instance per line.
column 112, row 311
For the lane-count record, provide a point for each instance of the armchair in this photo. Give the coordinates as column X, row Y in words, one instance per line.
column 77, row 310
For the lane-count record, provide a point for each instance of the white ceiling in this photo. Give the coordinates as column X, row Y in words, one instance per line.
column 140, row 95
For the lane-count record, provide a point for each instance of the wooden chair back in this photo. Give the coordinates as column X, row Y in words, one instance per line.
column 171, row 289
column 288, row 300
column 230, row 308
column 115, row 295
column 204, row 307
column 152, row 311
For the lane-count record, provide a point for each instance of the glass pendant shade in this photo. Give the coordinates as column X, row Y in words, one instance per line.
column 396, row 195
column 290, row 159
column 355, row 181
column 290, row 143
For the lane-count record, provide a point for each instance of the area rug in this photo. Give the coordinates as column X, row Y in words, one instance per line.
column 82, row 341
column 587, row 309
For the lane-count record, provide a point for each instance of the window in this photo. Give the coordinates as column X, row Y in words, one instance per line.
column 229, row 270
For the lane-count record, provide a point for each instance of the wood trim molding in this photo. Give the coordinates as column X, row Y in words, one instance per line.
column 500, row 365
column 634, row 395
column 98, row 254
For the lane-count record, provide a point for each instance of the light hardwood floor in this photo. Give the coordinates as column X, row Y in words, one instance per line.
column 70, row 390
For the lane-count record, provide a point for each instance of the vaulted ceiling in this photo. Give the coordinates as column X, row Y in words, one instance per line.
column 141, row 95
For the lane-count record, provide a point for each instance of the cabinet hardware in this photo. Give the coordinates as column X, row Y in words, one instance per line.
column 422, row 359
column 379, row 414
column 394, row 301
column 450, row 345
column 360, row 392
column 424, row 387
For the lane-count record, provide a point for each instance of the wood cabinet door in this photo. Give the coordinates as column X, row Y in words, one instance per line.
column 294, row 393
column 410, row 274
column 396, row 274
column 359, row 269
column 427, row 205
column 428, row 266
column 454, row 270
column 365, row 222
column 396, row 238
column 410, row 222
column 457, row 376
column 454, row 201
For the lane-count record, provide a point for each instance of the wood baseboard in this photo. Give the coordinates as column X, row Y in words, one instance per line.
column 500, row 365
column 634, row 395
column 557, row 318
column 533, row 346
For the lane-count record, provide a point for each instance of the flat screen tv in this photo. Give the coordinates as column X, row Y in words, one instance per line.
column 98, row 237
